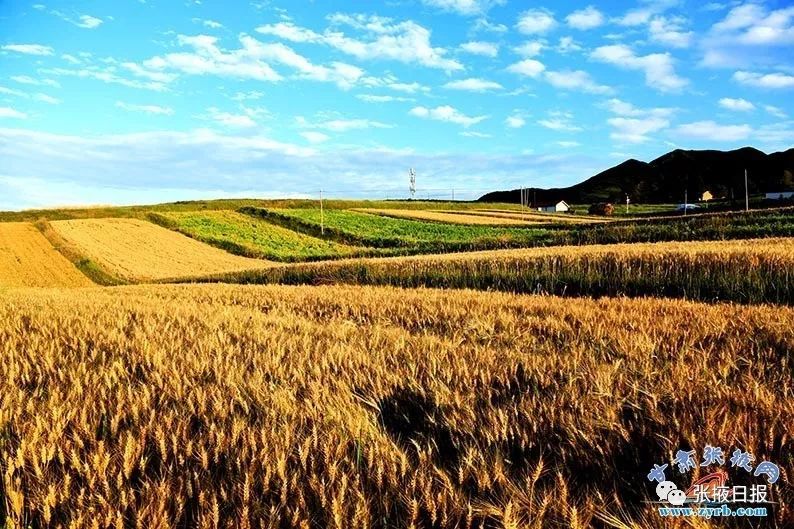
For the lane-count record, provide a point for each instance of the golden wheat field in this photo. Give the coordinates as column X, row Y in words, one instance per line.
column 136, row 250
column 356, row 407
column 27, row 259
column 446, row 217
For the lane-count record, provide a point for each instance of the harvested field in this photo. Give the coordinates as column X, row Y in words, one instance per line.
column 27, row 259
column 351, row 407
column 448, row 217
column 537, row 216
column 137, row 250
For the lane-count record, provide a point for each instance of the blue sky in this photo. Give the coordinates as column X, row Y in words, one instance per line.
column 143, row 101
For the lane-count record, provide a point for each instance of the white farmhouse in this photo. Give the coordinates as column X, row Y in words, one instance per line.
column 559, row 207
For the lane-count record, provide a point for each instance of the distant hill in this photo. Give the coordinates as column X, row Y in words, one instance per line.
column 664, row 179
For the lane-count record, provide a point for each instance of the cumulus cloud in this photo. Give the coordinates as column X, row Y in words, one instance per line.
column 315, row 137
column 473, row 85
column 560, row 121
column 670, row 32
column 739, row 105
column 577, row 80
column 8, row 112
column 536, row 21
column 634, row 125
column 515, row 122
column 709, row 130
column 750, row 34
column 448, row 114
column 146, row 109
column 464, row 7
column 340, row 124
column 587, row 18
column 658, row 67
column 485, row 49
column 527, row 68
column 774, row 80
column 28, row 49
column 383, row 39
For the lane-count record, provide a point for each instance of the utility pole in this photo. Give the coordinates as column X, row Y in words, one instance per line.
column 412, row 183
column 686, row 201
column 322, row 217
column 746, row 193
column 627, row 204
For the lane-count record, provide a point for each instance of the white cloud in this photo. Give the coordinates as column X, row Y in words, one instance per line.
column 370, row 98
column 635, row 130
column 750, row 35
column 754, row 24
column 248, row 96
column 568, row 144
column 44, row 98
column 146, row 109
column 26, row 79
column 669, row 31
column 385, row 39
column 575, row 80
column 338, row 124
column 527, row 68
column 8, row 112
column 43, row 169
column 587, row 18
column 658, row 67
column 770, row 80
column 106, row 76
column 515, row 122
column 473, row 85
column 473, row 134
column 212, row 24
column 775, row 111
column 483, row 24
column 88, row 22
column 633, row 124
column 485, row 49
column 739, row 105
column 252, row 61
column 536, row 21
column 315, row 137
column 642, row 15
column 464, row 7
column 567, row 45
column 530, row 48
column 408, row 88
column 448, row 114
column 559, row 121
column 227, row 119
column 709, row 130
column 29, row 49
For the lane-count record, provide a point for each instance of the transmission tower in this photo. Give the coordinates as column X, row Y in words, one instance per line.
column 412, row 180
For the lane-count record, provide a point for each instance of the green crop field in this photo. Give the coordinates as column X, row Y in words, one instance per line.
column 386, row 232
column 255, row 237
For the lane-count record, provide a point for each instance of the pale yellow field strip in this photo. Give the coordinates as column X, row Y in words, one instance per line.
column 27, row 259
column 538, row 216
column 447, row 217
column 141, row 251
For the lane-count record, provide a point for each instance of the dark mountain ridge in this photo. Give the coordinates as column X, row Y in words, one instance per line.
column 669, row 177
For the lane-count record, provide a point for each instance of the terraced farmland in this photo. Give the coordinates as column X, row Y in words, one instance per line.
column 384, row 232
column 254, row 237
column 536, row 216
column 137, row 250
column 27, row 259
